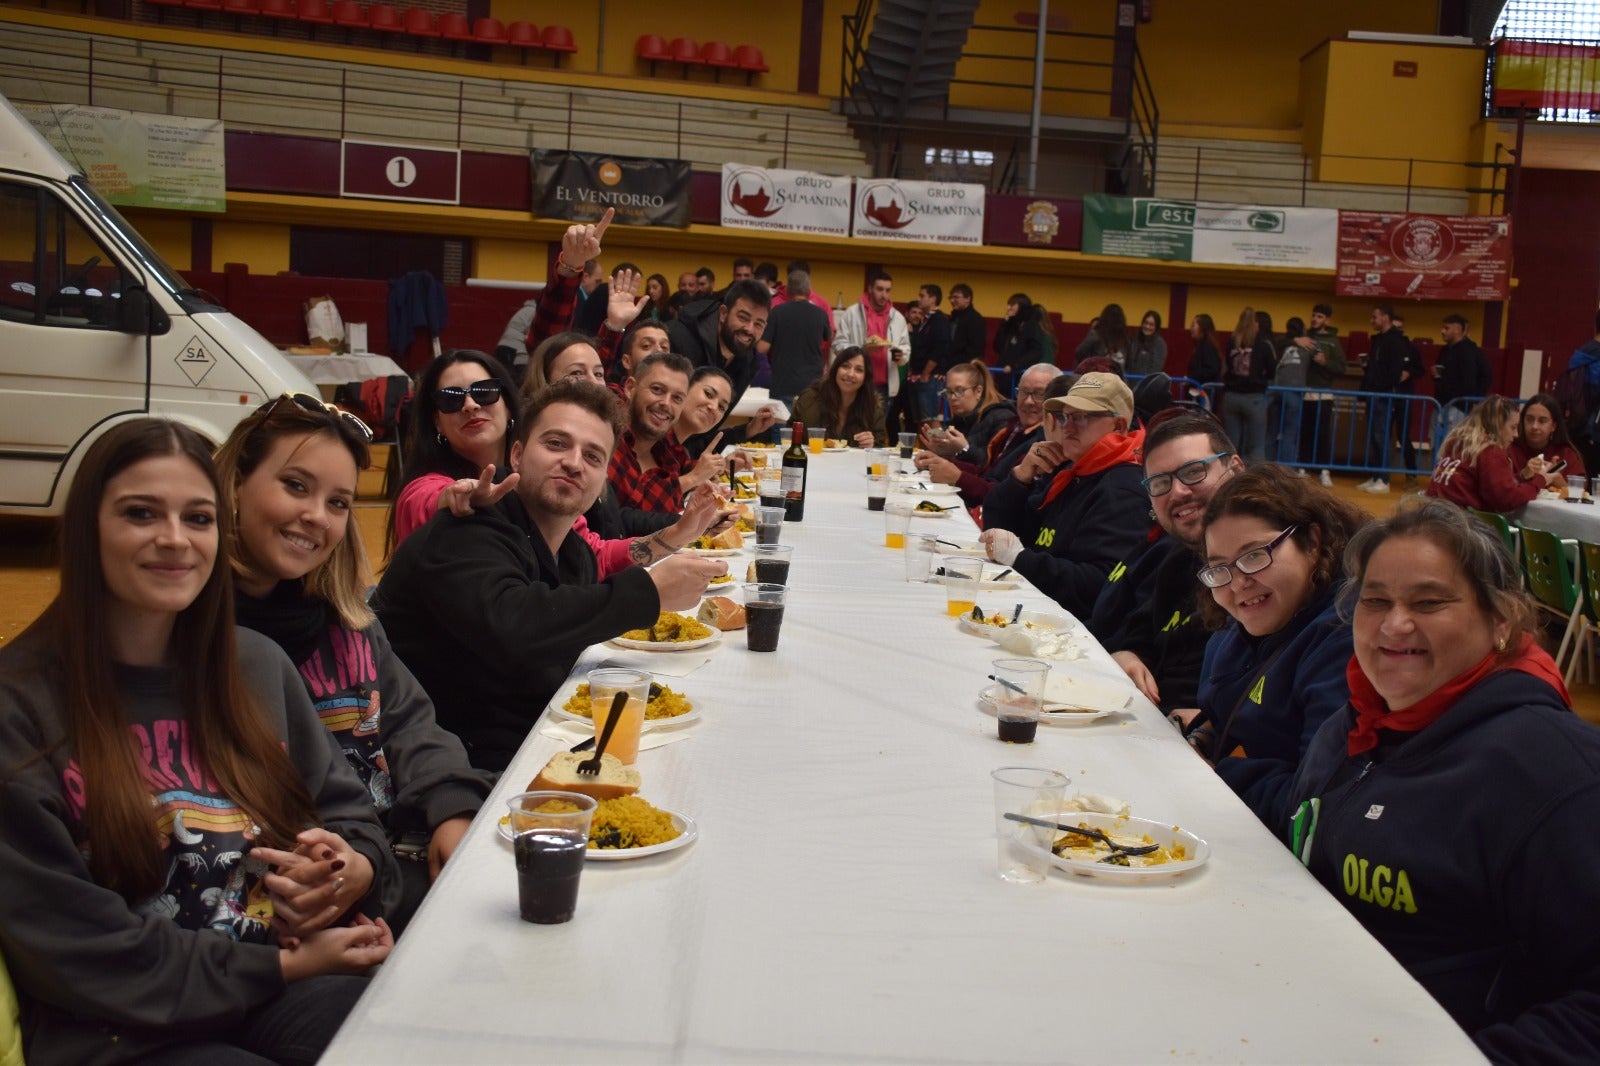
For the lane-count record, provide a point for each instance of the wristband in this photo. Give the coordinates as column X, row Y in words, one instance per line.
column 562, row 264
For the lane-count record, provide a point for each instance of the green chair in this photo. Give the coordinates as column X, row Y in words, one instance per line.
column 10, row 1022
column 1589, row 558
column 1544, row 564
column 1497, row 522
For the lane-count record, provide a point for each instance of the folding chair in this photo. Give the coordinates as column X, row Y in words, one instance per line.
column 1544, row 564
column 1589, row 569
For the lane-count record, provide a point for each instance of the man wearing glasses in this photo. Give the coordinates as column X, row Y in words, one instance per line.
column 1006, row 448
column 1074, row 505
column 1147, row 619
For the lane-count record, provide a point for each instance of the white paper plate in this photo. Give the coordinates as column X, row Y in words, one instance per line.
column 713, row 553
column 1126, row 829
column 963, row 551
column 556, row 713
column 931, row 514
column 723, row 589
column 928, row 488
column 1010, row 581
column 687, row 834
column 651, row 645
column 1055, row 622
column 1054, row 714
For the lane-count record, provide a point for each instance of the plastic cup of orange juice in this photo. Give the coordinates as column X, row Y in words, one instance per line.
column 604, row 684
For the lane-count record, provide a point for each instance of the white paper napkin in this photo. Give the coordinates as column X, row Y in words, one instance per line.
column 568, row 734
column 659, row 663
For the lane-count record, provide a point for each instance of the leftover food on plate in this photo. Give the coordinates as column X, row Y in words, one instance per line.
column 670, row 628
column 728, row 538
column 928, row 505
column 623, row 823
column 664, row 703
column 1112, row 848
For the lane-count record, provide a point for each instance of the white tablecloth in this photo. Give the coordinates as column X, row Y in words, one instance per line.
column 339, row 369
column 1570, row 521
column 841, row 904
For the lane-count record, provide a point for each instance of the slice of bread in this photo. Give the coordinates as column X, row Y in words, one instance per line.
column 728, row 538
column 721, row 612
column 561, row 774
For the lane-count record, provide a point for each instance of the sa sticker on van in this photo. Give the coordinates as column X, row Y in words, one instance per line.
column 195, row 361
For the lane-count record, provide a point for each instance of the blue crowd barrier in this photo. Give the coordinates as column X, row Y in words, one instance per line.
column 1360, row 432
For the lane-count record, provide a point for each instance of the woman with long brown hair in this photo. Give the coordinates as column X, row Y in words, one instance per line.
column 179, row 838
column 1275, row 670
column 1475, row 468
column 977, row 413
column 288, row 475
column 844, row 403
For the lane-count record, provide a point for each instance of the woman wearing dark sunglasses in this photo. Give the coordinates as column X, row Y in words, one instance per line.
column 1273, row 548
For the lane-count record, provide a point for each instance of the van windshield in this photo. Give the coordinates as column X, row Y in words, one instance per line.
column 192, row 300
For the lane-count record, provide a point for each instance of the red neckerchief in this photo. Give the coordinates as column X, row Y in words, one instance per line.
column 1373, row 714
column 1108, row 451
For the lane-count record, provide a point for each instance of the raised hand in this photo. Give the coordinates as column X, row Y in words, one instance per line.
column 627, row 299
column 581, row 242
column 463, row 496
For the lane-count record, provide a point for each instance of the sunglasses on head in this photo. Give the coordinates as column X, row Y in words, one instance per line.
column 316, row 406
column 452, row 398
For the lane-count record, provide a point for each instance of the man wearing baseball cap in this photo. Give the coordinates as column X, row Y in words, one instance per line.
column 1074, row 506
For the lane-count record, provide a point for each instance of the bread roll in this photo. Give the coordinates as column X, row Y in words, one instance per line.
column 728, row 538
column 561, row 774
column 723, row 613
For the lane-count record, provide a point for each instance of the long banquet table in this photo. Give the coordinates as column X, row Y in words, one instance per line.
column 841, row 902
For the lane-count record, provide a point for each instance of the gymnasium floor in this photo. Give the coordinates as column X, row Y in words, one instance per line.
column 28, row 580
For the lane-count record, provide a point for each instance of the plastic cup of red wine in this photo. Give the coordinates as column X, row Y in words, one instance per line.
column 1018, row 696
column 550, row 839
column 763, row 611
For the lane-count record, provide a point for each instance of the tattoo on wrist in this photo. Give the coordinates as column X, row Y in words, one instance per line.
column 659, row 539
column 639, row 552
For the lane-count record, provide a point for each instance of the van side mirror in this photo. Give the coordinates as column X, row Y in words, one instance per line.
column 139, row 314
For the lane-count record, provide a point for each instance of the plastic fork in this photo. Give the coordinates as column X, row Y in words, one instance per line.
column 591, row 767
column 1118, row 854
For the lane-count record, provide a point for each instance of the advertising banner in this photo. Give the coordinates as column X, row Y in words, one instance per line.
column 376, row 171
column 1148, row 228
column 786, row 201
column 579, row 186
column 1424, row 257
column 135, row 159
column 928, row 211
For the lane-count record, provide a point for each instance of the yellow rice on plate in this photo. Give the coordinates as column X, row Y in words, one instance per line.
column 629, row 822
column 670, row 628
column 669, row 704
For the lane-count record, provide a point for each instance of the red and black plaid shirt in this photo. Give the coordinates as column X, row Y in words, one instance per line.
column 656, row 489
column 557, row 304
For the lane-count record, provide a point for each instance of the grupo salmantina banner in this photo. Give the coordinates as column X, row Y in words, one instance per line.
column 930, row 211
column 135, row 159
column 1150, row 228
column 579, row 186
column 786, row 201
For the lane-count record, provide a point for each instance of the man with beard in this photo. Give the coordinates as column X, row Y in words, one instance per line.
column 724, row 334
column 1146, row 618
column 648, row 459
column 877, row 326
column 490, row 611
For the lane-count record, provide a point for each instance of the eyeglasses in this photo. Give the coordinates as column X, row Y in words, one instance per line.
column 1251, row 562
column 1190, row 473
column 1030, row 394
column 452, row 398
column 1062, row 417
column 316, row 406
column 959, row 390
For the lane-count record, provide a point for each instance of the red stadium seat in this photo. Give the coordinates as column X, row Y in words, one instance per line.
column 313, row 13
column 716, row 55
column 558, row 41
column 241, row 10
column 652, row 49
column 384, row 18
column 489, row 31
column 684, row 50
column 453, row 26
column 349, row 14
column 523, row 36
column 419, row 26
column 750, row 60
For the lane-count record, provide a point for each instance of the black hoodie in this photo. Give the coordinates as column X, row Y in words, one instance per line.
column 1468, row 849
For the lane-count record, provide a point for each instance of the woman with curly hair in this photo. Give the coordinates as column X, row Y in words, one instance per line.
column 844, row 403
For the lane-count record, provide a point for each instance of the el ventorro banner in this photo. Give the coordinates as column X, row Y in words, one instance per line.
column 579, row 186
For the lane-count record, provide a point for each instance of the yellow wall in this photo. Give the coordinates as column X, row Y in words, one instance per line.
column 264, row 247
column 168, row 234
column 1237, row 64
column 1368, row 112
column 1097, row 17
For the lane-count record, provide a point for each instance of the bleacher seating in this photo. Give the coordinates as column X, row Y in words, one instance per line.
column 558, row 42
column 718, row 57
column 313, row 13
column 419, row 25
column 652, row 48
column 489, row 31
column 161, row 7
column 523, row 36
column 385, row 19
column 350, row 15
column 750, row 60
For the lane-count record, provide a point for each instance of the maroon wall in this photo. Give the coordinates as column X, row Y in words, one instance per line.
column 1556, row 242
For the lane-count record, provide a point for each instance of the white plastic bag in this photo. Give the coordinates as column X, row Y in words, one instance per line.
column 324, row 326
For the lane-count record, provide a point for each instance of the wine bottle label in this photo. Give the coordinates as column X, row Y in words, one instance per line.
column 794, row 481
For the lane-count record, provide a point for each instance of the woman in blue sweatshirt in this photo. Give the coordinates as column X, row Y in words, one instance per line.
column 1451, row 804
column 1275, row 671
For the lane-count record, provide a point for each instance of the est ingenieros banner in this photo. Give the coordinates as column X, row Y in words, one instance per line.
column 927, row 211
column 1424, row 257
column 785, row 201
column 135, row 159
column 579, row 186
column 1186, row 231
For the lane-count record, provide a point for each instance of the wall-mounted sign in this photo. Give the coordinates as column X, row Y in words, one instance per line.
column 372, row 170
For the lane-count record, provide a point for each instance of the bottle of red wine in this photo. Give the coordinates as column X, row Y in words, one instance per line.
column 794, row 475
